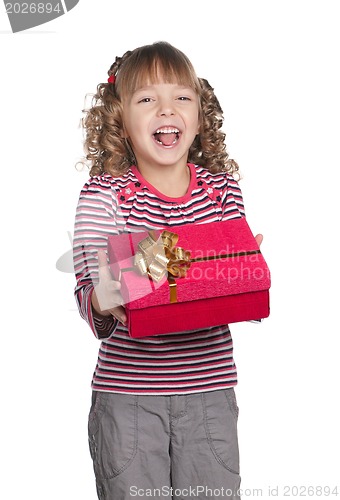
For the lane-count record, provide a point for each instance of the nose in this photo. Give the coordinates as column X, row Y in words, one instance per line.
column 166, row 107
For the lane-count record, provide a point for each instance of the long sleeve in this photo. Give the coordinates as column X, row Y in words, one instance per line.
column 95, row 220
column 232, row 200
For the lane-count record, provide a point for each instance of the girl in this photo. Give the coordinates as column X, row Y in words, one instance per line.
column 163, row 421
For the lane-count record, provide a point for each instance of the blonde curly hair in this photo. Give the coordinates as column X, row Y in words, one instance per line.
column 105, row 147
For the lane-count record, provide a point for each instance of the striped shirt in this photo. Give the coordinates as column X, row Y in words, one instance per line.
column 184, row 362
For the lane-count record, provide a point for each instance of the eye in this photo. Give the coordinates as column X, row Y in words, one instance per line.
column 183, row 98
column 145, row 99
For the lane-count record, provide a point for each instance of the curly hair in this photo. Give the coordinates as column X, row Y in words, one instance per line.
column 105, row 147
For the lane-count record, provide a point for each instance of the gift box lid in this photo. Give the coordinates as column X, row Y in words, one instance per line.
column 224, row 259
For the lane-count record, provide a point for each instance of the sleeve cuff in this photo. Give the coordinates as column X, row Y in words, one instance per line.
column 104, row 325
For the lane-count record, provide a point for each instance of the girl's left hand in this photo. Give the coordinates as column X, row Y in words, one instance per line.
column 259, row 239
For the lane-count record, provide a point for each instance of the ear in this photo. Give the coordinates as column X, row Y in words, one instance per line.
column 124, row 133
column 198, row 130
column 199, row 121
column 128, row 148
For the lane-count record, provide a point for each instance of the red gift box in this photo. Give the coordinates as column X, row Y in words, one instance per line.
column 223, row 277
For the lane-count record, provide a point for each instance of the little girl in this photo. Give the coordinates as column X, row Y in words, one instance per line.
column 163, row 421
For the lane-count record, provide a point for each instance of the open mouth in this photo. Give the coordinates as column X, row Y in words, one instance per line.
column 166, row 136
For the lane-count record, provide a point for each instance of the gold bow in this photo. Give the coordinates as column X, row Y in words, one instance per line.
column 156, row 257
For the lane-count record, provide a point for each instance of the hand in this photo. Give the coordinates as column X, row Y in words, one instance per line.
column 106, row 297
column 259, row 239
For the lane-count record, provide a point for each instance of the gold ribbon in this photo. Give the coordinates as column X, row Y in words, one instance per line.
column 157, row 257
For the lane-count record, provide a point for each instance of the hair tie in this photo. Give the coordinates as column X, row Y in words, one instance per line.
column 111, row 79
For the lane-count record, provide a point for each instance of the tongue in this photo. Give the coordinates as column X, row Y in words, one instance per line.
column 166, row 139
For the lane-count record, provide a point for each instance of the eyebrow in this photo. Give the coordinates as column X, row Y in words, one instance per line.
column 153, row 86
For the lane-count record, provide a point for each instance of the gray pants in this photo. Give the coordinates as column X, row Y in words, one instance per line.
column 159, row 447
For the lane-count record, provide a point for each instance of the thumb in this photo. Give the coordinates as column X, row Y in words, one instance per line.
column 102, row 259
column 104, row 270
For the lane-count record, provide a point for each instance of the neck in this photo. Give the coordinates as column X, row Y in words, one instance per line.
column 172, row 181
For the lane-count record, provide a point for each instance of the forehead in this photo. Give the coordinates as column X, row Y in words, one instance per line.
column 154, row 73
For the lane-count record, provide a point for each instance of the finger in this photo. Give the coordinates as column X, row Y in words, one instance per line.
column 103, row 267
column 112, row 285
column 259, row 239
column 119, row 313
column 106, row 299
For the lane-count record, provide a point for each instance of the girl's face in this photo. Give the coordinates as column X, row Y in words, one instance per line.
column 161, row 121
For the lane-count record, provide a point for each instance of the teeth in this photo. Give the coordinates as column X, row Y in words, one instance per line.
column 167, row 131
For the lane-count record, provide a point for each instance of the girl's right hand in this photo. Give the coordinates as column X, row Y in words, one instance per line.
column 106, row 297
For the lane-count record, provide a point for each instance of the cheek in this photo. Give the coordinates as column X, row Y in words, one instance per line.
column 133, row 124
column 128, row 129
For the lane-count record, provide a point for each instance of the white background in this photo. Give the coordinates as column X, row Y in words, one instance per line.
column 275, row 69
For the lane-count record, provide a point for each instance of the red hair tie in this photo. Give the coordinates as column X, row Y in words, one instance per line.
column 111, row 79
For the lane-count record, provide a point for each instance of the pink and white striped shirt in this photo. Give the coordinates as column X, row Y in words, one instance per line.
column 185, row 362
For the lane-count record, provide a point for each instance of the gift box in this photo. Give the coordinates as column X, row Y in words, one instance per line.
column 190, row 277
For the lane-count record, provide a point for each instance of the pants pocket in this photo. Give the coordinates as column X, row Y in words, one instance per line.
column 220, row 420
column 232, row 402
column 112, row 433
